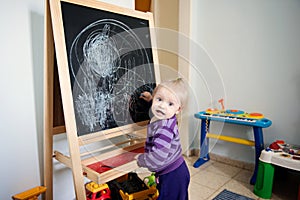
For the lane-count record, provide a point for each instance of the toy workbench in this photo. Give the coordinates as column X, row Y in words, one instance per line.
column 279, row 154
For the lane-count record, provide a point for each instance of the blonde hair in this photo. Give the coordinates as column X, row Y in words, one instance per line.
column 177, row 87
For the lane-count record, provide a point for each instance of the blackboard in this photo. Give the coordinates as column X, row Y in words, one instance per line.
column 110, row 62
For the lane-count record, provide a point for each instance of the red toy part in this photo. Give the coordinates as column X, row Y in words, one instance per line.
column 96, row 191
column 280, row 141
column 274, row 146
column 221, row 101
column 256, row 115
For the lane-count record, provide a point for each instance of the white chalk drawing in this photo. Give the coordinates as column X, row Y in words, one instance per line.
column 108, row 64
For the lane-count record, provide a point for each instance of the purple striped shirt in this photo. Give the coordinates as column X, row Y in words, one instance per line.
column 163, row 151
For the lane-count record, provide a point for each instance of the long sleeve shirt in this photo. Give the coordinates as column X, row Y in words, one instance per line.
column 163, row 151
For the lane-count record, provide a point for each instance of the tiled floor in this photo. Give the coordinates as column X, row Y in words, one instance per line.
column 212, row 177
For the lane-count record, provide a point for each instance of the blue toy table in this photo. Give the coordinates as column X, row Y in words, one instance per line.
column 239, row 118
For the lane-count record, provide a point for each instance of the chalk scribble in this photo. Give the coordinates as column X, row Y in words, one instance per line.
column 109, row 66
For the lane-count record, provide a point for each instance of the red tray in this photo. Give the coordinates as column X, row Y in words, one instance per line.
column 116, row 161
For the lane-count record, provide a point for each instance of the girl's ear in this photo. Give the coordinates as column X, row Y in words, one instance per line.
column 179, row 109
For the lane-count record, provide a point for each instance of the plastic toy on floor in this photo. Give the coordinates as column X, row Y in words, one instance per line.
column 131, row 187
column 96, row 191
column 231, row 116
column 31, row 194
column 280, row 146
column 280, row 154
column 150, row 180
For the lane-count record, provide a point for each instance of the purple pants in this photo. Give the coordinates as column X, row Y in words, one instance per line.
column 174, row 185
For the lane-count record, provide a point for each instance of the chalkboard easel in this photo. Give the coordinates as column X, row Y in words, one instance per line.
column 98, row 58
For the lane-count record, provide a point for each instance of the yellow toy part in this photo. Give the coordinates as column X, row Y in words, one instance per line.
column 94, row 187
column 212, row 111
column 31, row 194
column 150, row 194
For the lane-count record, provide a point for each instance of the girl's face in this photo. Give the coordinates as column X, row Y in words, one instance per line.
column 165, row 104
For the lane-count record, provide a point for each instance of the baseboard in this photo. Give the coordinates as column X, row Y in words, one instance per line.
column 225, row 160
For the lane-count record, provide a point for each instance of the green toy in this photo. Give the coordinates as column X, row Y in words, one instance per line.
column 150, row 180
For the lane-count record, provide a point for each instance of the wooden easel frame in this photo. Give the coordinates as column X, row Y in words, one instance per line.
column 55, row 45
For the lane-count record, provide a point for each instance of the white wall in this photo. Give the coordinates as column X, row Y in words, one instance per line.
column 21, row 108
column 21, row 95
column 254, row 48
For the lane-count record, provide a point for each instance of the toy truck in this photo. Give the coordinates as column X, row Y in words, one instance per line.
column 96, row 191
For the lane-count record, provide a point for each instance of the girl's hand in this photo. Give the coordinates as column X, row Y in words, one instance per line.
column 136, row 156
column 146, row 96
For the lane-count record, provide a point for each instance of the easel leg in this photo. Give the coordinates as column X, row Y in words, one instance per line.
column 48, row 104
column 259, row 146
column 204, row 144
